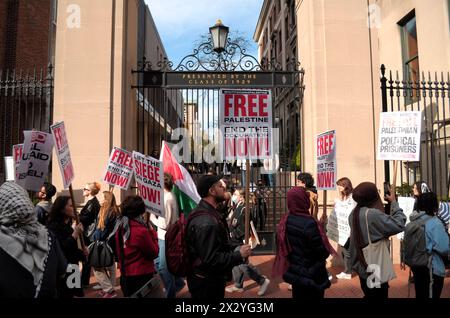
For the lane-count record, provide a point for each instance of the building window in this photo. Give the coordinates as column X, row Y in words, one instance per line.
column 410, row 50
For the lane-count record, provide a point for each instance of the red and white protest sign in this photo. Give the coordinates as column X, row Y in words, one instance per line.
column 62, row 151
column 148, row 173
column 399, row 136
column 120, row 168
column 36, row 154
column 17, row 156
column 326, row 161
column 246, row 124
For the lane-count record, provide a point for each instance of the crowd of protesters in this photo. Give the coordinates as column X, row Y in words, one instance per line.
column 42, row 247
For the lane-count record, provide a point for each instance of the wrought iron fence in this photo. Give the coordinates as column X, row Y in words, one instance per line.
column 26, row 102
column 430, row 93
column 164, row 106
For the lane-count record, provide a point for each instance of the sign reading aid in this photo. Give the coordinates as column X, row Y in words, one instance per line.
column 246, row 124
column 36, row 155
column 399, row 136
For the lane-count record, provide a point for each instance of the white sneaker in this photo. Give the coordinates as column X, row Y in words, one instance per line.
column 263, row 287
column 330, row 277
column 344, row 276
column 232, row 289
column 289, row 287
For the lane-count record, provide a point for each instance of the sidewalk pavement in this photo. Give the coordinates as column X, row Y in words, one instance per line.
column 279, row 289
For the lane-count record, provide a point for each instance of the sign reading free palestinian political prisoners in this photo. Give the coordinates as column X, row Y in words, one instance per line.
column 246, row 124
column 120, row 168
column 36, row 154
column 326, row 160
column 148, row 173
column 399, row 136
column 63, row 153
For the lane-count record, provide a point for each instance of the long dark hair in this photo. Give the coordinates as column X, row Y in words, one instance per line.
column 132, row 207
column 56, row 214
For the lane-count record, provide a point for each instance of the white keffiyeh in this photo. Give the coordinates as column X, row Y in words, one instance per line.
column 21, row 235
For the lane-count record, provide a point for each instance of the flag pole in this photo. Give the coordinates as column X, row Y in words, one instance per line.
column 77, row 218
column 247, row 196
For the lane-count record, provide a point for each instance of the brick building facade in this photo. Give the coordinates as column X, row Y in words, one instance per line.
column 26, row 34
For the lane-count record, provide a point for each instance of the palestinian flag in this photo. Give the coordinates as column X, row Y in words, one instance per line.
column 184, row 187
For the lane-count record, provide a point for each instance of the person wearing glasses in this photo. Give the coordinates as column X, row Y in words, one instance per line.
column 88, row 215
column 44, row 206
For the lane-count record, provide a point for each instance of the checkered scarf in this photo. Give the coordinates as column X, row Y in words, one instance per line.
column 21, row 235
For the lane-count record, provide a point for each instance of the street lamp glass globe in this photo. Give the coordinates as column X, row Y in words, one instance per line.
column 219, row 35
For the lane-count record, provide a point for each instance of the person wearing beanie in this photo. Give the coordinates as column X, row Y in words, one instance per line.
column 208, row 243
column 368, row 221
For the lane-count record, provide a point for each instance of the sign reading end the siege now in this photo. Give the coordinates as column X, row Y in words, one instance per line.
column 120, row 168
column 63, row 153
column 399, row 136
column 246, row 124
column 326, row 160
column 148, row 173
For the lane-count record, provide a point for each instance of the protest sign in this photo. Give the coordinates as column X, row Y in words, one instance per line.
column 326, row 161
column 62, row 151
column 9, row 169
column 246, row 124
column 148, row 173
column 338, row 228
column 407, row 204
column 399, row 136
column 36, row 154
column 17, row 155
column 120, row 168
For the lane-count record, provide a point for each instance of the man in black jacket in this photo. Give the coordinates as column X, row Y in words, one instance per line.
column 209, row 245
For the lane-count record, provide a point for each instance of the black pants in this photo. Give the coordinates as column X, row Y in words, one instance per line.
column 206, row 287
column 422, row 283
column 374, row 293
column 86, row 271
column 302, row 292
column 346, row 257
column 131, row 284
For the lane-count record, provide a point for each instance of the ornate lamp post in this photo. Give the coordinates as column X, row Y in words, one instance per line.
column 219, row 35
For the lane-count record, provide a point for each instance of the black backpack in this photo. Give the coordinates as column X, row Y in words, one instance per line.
column 414, row 242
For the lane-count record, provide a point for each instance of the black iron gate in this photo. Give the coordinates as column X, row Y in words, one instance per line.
column 186, row 97
column 431, row 95
column 26, row 102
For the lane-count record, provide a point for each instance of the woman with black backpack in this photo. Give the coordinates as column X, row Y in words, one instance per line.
column 104, row 225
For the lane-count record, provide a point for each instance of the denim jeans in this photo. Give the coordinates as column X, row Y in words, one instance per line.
column 171, row 283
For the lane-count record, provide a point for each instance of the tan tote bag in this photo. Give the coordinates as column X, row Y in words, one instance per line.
column 378, row 258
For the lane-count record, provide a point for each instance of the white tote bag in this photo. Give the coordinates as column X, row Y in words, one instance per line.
column 378, row 258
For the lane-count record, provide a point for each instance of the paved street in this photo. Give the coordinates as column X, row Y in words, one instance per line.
column 338, row 289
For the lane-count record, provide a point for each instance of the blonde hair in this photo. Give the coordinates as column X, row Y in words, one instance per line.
column 108, row 207
column 94, row 187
